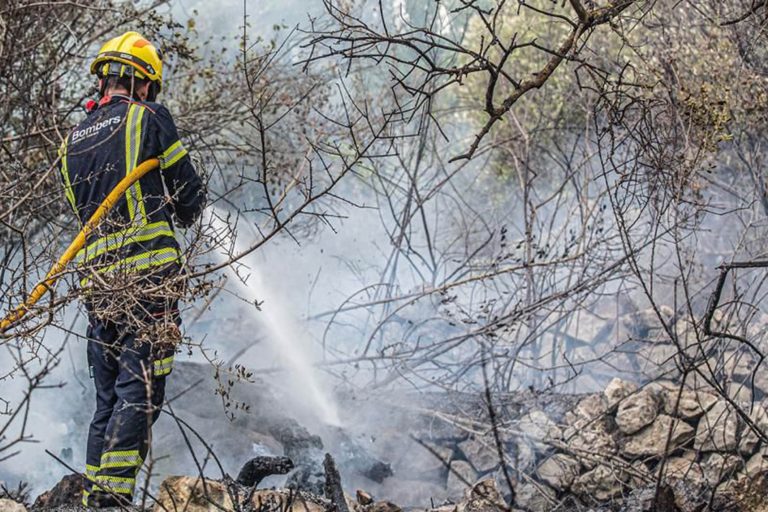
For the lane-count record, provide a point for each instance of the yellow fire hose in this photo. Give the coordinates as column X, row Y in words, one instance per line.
column 78, row 243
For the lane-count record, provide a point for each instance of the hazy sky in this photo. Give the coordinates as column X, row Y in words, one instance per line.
column 226, row 16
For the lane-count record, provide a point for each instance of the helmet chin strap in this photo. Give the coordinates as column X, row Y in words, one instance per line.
column 152, row 91
column 102, row 87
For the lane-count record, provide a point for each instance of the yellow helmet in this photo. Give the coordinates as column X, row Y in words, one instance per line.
column 129, row 55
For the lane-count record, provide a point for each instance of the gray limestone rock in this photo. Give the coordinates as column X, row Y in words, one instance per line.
column 535, row 497
column 617, row 390
column 718, row 429
column 602, row 483
column 687, row 404
column 652, row 440
column 559, row 471
column 636, row 411
column 461, row 476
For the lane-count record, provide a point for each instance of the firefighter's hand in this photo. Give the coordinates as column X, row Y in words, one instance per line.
column 163, row 336
column 170, row 335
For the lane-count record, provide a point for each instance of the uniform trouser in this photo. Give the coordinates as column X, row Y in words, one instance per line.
column 130, row 385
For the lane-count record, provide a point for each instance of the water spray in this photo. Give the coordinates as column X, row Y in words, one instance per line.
column 279, row 324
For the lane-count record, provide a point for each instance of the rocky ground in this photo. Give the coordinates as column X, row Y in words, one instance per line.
column 658, row 447
column 631, row 448
column 646, row 444
column 193, row 494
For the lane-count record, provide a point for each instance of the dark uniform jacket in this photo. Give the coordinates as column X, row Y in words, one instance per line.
column 138, row 234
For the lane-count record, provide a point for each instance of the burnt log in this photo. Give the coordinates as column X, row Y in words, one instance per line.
column 268, row 418
column 333, row 489
column 258, row 468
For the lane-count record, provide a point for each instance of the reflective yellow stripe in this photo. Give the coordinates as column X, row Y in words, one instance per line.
column 141, row 261
column 163, row 366
column 90, row 474
column 150, row 259
column 120, row 453
column 90, row 471
column 172, row 155
column 122, row 238
column 126, row 480
column 116, row 484
column 135, row 463
column 121, row 459
column 65, row 174
column 132, row 145
column 167, row 360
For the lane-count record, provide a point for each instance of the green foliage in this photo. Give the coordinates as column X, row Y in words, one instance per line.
column 705, row 84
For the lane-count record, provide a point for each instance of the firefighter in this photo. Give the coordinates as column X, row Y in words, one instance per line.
column 126, row 264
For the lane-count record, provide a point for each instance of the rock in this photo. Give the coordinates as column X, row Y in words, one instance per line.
column 735, row 363
column 743, row 494
column 699, row 382
column 689, row 495
column 660, row 387
column 639, row 475
column 683, row 468
column 355, row 452
column 647, row 499
column 653, row 358
column 535, row 497
column 384, row 506
column 652, row 440
column 194, row 494
column 411, row 493
column 461, row 476
column 363, row 497
column 686, row 336
column 645, row 324
column 617, row 390
column 525, row 457
column 761, row 378
column 430, row 463
column 602, row 483
column 538, row 430
column 286, row 501
column 484, row 496
column 7, row 505
column 535, row 433
column 68, row 492
column 717, row 466
column 307, row 477
column 727, row 494
column 480, row 452
column 590, row 445
column 589, row 410
column 690, row 405
column 636, row 411
column 718, row 429
column 739, row 393
column 757, row 465
column 559, row 471
column 258, row 468
column 749, row 439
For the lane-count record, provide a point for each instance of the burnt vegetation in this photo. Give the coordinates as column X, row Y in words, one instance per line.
column 569, row 301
